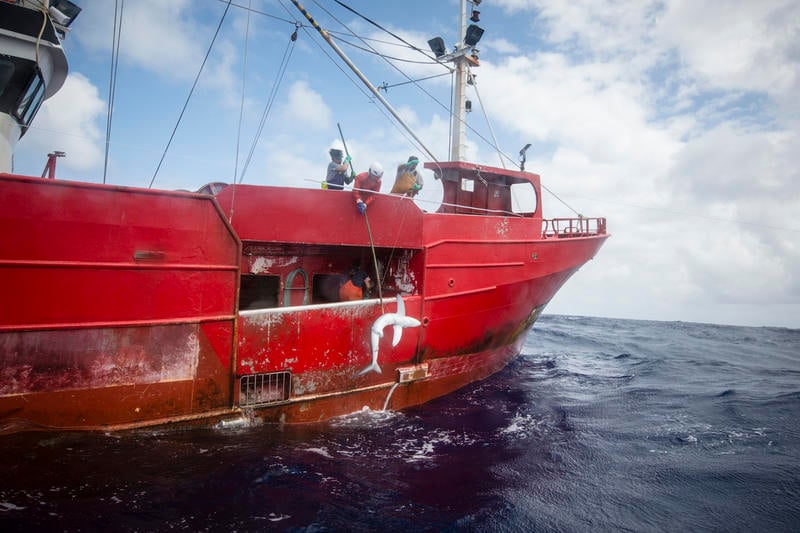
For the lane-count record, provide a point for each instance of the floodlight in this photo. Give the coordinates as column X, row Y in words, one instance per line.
column 474, row 34
column 64, row 12
column 437, row 46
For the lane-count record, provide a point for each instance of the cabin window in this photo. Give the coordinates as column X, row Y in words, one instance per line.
column 258, row 292
column 7, row 69
column 523, row 198
column 21, row 89
column 31, row 99
column 467, row 185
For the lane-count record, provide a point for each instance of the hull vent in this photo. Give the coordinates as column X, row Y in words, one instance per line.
column 264, row 389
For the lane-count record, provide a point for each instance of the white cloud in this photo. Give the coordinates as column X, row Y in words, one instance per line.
column 677, row 120
column 72, row 114
column 161, row 37
column 500, row 46
column 740, row 45
column 306, row 108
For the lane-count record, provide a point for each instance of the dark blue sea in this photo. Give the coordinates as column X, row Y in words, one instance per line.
column 600, row 425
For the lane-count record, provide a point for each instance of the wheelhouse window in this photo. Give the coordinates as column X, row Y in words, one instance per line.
column 22, row 89
column 7, row 69
column 523, row 199
column 31, row 99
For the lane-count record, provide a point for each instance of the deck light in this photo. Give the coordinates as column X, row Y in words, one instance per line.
column 63, row 12
column 474, row 34
column 437, row 46
column 475, row 16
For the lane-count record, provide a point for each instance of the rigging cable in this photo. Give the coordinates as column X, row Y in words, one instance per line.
column 287, row 55
column 416, row 144
column 250, row 9
column 359, row 86
column 241, row 112
column 474, row 84
column 447, row 109
column 241, row 105
column 423, row 52
column 186, row 104
column 116, row 38
column 371, row 50
column 386, row 86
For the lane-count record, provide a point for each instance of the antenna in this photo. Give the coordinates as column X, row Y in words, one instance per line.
column 522, row 157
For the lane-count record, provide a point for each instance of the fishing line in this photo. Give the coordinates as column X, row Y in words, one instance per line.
column 375, row 262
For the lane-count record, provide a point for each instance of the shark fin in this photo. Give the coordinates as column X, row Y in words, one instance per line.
column 398, row 333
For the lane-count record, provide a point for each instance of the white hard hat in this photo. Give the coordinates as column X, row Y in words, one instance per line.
column 376, row 169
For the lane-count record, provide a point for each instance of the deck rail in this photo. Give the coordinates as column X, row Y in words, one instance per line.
column 561, row 228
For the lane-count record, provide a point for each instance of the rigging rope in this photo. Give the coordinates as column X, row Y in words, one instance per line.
column 486, row 117
column 375, row 52
column 241, row 105
column 359, row 86
column 241, row 112
column 186, row 104
column 116, row 38
column 375, row 262
column 287, row 55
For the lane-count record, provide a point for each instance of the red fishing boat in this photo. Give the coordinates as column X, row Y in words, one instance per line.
column 124, row 307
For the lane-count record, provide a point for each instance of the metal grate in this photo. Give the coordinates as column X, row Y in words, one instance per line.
column 263, row 389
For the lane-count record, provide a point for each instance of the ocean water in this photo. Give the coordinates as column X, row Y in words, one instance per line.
column 600, row 425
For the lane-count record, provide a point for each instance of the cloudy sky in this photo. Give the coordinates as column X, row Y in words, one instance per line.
column 677, row 120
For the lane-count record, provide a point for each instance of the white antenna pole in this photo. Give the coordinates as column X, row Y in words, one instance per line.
column 459, row 114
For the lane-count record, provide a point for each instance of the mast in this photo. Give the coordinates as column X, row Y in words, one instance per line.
column 459, row 115
column 463, row 56
column 361, row 76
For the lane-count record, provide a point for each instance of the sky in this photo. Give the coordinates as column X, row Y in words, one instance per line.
column 678, row 121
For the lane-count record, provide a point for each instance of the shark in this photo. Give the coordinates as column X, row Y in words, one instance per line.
column 398, row 320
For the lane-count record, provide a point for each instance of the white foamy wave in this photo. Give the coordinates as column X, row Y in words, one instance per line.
column 245, row 420
column 366, row 418
column 319, row 451
column 423, row 448
column 522, row 425
column 8, row 506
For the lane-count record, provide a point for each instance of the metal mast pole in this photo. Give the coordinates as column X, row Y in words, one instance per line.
column 363, row 78
column 459, row 114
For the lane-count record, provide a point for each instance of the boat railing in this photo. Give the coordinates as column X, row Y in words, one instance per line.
column 561, row 228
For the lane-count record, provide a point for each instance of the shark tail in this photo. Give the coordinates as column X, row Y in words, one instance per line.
column 373, row 366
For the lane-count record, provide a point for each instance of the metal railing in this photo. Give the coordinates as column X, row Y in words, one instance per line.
column 573, row 227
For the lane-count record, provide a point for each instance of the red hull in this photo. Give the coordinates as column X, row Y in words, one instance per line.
column 124, row 308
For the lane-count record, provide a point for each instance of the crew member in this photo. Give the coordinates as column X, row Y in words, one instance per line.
column 337, row 174
column 408, row 180
column 365, row 184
